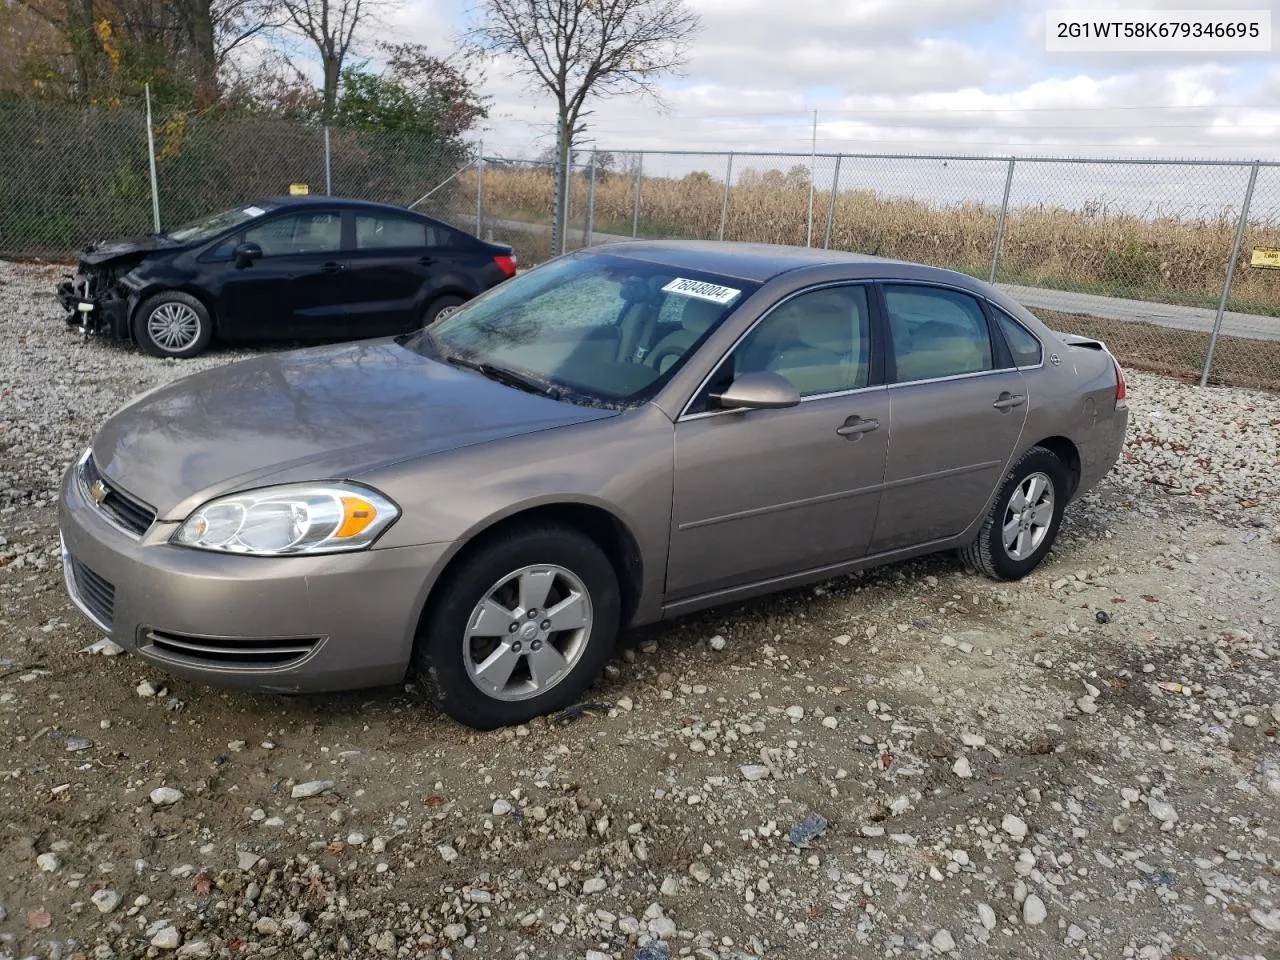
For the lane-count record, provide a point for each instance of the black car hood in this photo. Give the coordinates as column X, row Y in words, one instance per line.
column 326, row 413
column 98, row 253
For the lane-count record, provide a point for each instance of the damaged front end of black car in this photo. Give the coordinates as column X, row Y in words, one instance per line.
column 99, row 297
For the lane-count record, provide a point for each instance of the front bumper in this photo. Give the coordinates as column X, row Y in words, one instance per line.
column 94, row 309
column 290, row 624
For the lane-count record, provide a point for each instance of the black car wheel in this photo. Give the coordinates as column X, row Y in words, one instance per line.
column 440, row 308
column 1024, row 520
column 172, row 324
column 522, row 628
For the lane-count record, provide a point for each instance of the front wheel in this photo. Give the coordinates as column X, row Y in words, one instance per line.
column 1024, row 520
column 173, row 324
column 522, row 628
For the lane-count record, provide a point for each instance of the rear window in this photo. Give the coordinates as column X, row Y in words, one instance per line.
column 1022, row 344
column 385, row 232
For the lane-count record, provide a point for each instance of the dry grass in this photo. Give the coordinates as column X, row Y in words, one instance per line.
column 1167, row 259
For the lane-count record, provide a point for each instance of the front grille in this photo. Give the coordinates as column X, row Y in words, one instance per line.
column 95, row 592
column 133, row 515
column 242, row 652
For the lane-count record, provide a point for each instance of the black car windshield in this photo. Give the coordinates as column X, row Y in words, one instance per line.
column 208, row 227
column 590, row 328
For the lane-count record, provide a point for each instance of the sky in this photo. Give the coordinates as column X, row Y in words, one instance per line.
column 910, row 76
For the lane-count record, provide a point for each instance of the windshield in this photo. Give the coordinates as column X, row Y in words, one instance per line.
column 590, row 327
column 207, row 227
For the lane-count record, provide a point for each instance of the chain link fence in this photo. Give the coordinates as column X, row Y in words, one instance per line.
column 1157, row 258
column 72, row 175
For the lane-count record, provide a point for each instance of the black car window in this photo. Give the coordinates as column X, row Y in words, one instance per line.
column 936, row 333
column 298, row 233
column 379, row 232
column 1022, row 344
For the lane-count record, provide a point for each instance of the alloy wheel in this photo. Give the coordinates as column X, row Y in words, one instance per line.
column 1028, row 516
column 527, row 633
column 173, row 326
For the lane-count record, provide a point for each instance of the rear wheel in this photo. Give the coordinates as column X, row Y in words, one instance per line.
column 172, row 324
column 1023, row 523
column 523, row 627
column 440, row 308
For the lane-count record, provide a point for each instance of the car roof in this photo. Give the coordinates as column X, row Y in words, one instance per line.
column 285, row 202
column 760, row 262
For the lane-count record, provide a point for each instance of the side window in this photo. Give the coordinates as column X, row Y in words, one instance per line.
column 298, row 233
column 387, row 232
column 820, row 341
column 1024, row 347
column 936, row 332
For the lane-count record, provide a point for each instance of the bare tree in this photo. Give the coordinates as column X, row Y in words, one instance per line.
column 579, row 49
column 331, row 25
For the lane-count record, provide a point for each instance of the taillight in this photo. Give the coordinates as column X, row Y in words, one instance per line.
column 506, row 263
column 1120, row 384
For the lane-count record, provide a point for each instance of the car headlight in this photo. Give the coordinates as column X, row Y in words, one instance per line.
column 298, row 518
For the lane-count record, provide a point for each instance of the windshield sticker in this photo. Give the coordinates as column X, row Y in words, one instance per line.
column 702, row 291
column 254, row 211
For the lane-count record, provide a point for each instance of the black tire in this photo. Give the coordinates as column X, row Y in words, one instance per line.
column 439, row 656
column 440, row 305
column 988, row 553
column 192, row 341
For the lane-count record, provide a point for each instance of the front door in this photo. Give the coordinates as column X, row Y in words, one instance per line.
column 296, row 288
column 954, row 417
column 762, row 494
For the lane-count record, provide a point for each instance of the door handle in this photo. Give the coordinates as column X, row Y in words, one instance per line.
column 855, row 427
column 333, row 267
column 426, row 261
column 1007, row 401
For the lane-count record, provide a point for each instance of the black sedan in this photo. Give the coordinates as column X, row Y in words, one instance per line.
column 288, row 268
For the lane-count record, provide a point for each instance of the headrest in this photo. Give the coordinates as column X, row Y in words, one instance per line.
column 700, row 315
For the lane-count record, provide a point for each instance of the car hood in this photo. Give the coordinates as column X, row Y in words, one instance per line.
column 102, row 252
column 327, row 413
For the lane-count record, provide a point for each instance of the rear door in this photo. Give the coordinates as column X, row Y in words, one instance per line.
column 295, row 288
column 400, row 264
column 955, row 416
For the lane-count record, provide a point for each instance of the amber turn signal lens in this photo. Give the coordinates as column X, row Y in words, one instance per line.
column 356, row 515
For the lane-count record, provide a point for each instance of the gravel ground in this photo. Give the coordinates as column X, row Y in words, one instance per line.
column 911, row 762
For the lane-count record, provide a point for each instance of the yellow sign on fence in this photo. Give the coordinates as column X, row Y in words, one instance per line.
column 1266, row 257
column 298, row 190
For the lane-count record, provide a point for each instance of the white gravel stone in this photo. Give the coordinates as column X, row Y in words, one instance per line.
column 717, row 642
column 753, row 771
column 1162, row 811
column 165, row 796
column 1033, row 911
column 311, row 788
column 168, row 938
column 594, row 885
column 105, row 900
column 49, row 862
column 943, row 942
column 501, row 807
column 795, row 712
column 1014, row 826
column 986, row 916
column 962, row 768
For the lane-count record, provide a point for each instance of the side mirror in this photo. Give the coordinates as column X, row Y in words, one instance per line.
column 246, row 253
column 761, row 390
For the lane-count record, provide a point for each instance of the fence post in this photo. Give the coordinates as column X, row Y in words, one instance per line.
column 724, row 204
column 831, row 207
column 328, row 165
column 635, row 213
column 151, row 158
column 1004, row 212
column 591, row 201
column 480, row 190
column 1231, row 271
column 557, row 184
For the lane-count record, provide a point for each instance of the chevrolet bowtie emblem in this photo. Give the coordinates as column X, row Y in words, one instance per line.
column 98, row 491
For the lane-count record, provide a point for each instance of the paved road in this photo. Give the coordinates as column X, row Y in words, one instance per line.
column 1246, row 325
